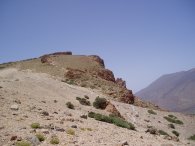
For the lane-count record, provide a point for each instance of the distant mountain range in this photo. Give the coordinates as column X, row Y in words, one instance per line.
column 175, row 92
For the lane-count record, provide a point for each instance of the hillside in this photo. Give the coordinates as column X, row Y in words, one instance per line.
column 175, row 91
column 81, row 70
column 43, row 102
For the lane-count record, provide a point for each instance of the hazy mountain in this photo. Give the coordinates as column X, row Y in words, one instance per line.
column 175, row 91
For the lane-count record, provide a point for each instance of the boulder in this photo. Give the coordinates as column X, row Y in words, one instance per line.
column 34, row 140
column 112, row 109
column 13, row 138
column 14, row 107
column 152, row 130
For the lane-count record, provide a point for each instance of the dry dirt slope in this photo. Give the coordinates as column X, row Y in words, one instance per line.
column 38, row 93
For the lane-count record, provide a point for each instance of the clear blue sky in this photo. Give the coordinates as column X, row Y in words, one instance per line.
column 138, row 39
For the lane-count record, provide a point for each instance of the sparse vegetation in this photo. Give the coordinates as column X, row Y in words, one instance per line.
column 100, row 103
column 84, row 116
column 176, row 133
column 70, row 105
column 161, row 132
column 70, row 132
column 83, row 85
column 173, row 119
column 111, row 119
column 83, row 129
column 35, row 125
column 92, row 87
column 172, row 116
column 83, row 101
column 89, row 129
column 171, row 126
column 55, row 140
column 192, row 137
column 91, row 114
column 69, row 81
column 78, row 98
column 87, row 97
column 23, row 143
column 40, row 136
column 152, row 112
column 151, row 130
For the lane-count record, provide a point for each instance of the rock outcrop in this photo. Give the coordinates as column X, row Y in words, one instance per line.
column 73, row 73
column 106, row 75
column 121, row 82
column 61, row 53
column 113, row 110
column 99, row 60
column 46, row 59
column 127, row 96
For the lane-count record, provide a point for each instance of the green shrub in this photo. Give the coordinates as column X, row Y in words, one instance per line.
column 35, row 125
column 172, row 116
column 171, row 126
column 70, row 82
column 70, row 105
column 92, row 86
column 23, row 143
column 84, row 116
column 192, row 137
column 40, row 136
column 122, row 123
column 100, row 103
column 173, row 120
column 175, row 132
column 55, row 140
column 112, row 119
column 78, row 98
column 161, row 132
column 70, row 132
column 83, row 101
column 89, row 129
column 152, row 112
column 91, row 114
column 103, row 118
column 87, row 97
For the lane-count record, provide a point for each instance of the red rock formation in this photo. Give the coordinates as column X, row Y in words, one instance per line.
column 121, row 82
column 112, row 109
column 127, row 97
column 106, row 75
column 98, row 60
column 73, row 73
